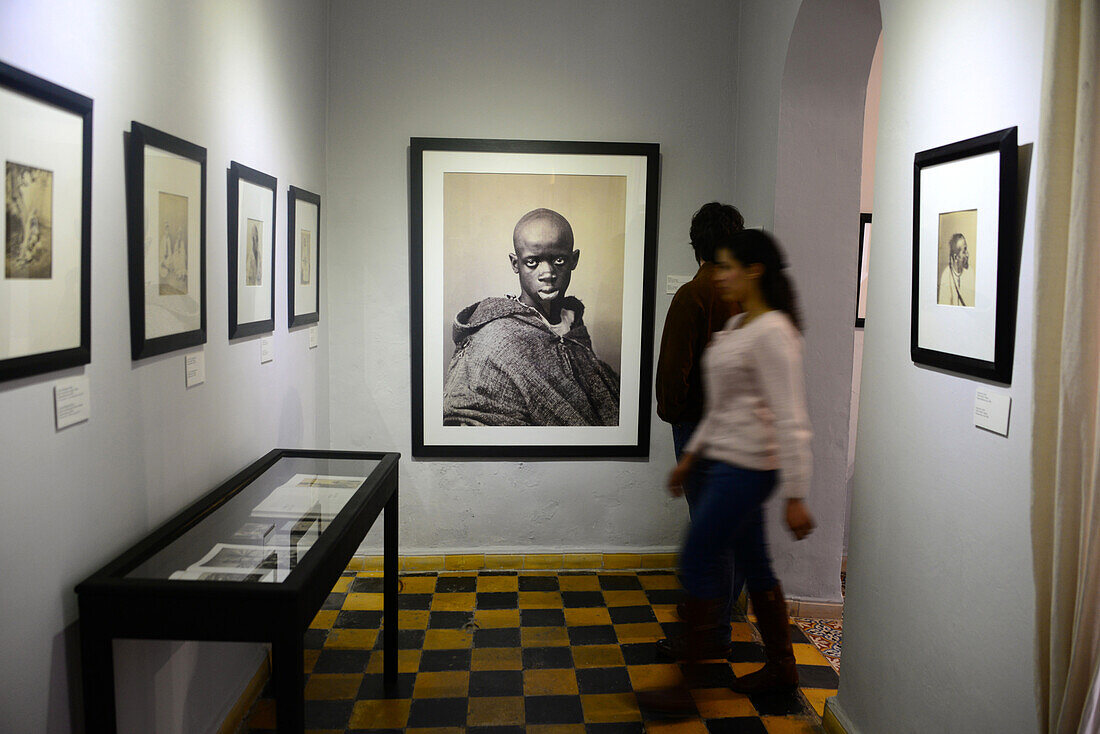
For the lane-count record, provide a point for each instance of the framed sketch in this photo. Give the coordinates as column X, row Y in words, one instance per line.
column 965, row 256
column 533, row 277
column 251, row 251
column 45, row 284
column 166, row 218
column 864, row 259
column 303, row 229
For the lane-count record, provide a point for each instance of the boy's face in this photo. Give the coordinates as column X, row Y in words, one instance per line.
column 544, row 260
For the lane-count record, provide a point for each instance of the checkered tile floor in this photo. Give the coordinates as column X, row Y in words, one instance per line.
column 508, row 651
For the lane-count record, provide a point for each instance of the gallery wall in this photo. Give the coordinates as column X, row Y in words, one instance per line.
column 938, row 619
column 246, row 80
column 637, row 72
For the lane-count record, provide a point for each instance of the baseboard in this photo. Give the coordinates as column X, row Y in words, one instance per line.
column 835, row 721
column 248, row 697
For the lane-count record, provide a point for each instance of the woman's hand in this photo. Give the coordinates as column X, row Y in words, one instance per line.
column 680, row 474
column 799, row 519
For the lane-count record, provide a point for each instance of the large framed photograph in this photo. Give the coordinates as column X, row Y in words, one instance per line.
column 965, row 256
column 166, row 210
column 303, row 238
column 251, row 251
column 533, row 267
column 864, row 268
column 45, row 285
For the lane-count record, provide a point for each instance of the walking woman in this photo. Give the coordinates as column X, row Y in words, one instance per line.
column 756, row 433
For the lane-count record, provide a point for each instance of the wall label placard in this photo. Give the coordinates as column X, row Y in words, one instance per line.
column 194, row 366
column 267, row 349
column 673, row 283
column 70, row 401
column 313, row 337
column 991, row 410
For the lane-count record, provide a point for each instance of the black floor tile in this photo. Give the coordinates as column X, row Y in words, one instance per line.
column 546, row 657
column 631, row 615
column 539, row 583
column 574, row 599
column 406, row 640
column 498, row 573
column 708, row 675
column 746, row 652
column 497, row 637
column 603, row 680
column 601, row 634
column 554, row 710
column 779, row 704
column 367, row 585
column 314, row 639
column 414, row 601
column 664, row 596
column 373, row 688
column 456, row 585
column 449, row 620
column 328, row 714
column 641, row 653
column 817, row 676
column 798, row 636
column 497, row 600
column 739, row 725
column 619, row 582
column 496, row 683
column 626, row 727
column 426, row 712
column 342, row 661
column 334, row 601
column 363, row 620
column 541, row 618
column 437, row 660
column 495, row 730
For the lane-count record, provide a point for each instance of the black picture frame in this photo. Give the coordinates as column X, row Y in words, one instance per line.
column 970, row 187
column 69, row 228
column 240, row 216
column 861, row 268
column 303, row 273
column 630, row 267
column 171, row 160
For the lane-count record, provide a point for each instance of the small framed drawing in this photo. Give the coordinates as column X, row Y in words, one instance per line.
column 965, row 256
column 303, row 231
column 251, row 251
column 864, row 259
column 45, row 285
column 533, row 281
column 166, row 218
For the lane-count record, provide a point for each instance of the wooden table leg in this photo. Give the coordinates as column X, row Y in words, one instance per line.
column 98, row 673
column 389, row 596
column 287, row 670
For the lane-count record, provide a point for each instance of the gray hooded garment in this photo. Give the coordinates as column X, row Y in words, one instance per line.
column 510, row 369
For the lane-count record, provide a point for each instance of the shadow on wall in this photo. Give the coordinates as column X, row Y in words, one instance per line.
column 65, row 712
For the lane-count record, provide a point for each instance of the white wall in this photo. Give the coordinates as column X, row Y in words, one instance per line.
column 939, row 622
column 245, row 79
column 633, row 71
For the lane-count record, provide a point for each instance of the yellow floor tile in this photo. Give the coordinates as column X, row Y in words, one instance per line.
column 546, row 561
column 372, row 563
column 309, row 659
column 342, row 584
column 496, row 618
column 659, row 560
column 551, row 682
column 597, row 656
column 540, row 600
column 582, row 616
column 422, row 563
column 324, row 619
column 741, row 632
column 386, row 713
column 412, row 619
column 640, row 632
column 436, row 730
column 666, row 613
column 817, row 696
column 579, row 583
column 556, row 729
column 497, row 583
column 622, row 560
column 447, row 639
column 471, row 562
column 576, row 561
column 544, row 636
column 496, row 658
column 330, row 686
column 408, row 661
column 806, row 654
column 626, row 598
column 351, row 639
column 363, row 602
column 443, row 684
column 262, row 715
column 722, row 703
column 660, row 581
column 417, row 584
column 602, row 708
column 504, row 561
column 495, row 711
column 689, row 726
column 740, row 669
column 790, row 725
column 453, row 602
column 649, row 677
column 355, row 564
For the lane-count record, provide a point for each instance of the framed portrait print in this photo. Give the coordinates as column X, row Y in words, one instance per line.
column 965, row 256
column 251, row 251
column 533, row 277
column 45, row 285
column 166, row 218
column 303, row 272
column 864, row 262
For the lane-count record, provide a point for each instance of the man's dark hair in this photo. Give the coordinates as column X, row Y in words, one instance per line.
column 713, row 223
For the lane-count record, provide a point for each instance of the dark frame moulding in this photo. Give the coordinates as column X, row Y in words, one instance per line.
column 515, row 450
column 1003, row 142
column 293, row 195
column 864, row 220
column 238, row 172
column 139, row 137
column 67, row 101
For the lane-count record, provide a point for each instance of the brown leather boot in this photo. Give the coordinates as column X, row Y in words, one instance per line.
column 779, row 672
column 676, row 701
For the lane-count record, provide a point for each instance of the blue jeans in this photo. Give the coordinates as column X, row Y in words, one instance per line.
column 693, row 487
column 728, row 519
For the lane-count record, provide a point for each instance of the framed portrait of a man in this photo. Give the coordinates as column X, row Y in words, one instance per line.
column 533, row 266
column 251, row 265
column 303, row 256
column 965, row 256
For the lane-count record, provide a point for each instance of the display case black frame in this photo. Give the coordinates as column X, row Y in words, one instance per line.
column 114, row 606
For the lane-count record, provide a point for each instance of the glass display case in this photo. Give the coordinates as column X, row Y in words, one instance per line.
column 252, row 560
